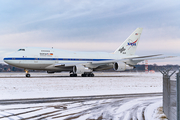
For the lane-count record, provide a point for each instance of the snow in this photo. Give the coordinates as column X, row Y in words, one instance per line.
column 15, row 85
column 133, row 109
column 41, row 85
column 155, row 114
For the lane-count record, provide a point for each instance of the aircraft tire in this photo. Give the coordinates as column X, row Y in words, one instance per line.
column 28, row 75
column 87, row 75
column 92, row 75
column 73, row 75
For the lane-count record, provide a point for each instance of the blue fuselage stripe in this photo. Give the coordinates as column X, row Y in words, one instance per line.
column 61, row 59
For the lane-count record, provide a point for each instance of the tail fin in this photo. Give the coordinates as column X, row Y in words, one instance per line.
column 128, row 47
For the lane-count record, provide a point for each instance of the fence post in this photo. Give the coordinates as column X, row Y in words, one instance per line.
column 167, row 92
column 177, row 95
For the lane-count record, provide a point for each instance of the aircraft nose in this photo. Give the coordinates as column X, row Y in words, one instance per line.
column 5, row 60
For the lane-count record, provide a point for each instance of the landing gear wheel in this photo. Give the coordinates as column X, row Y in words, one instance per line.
column 92, row 75
column 73, row 75
column 87, row 75
column 28, row 75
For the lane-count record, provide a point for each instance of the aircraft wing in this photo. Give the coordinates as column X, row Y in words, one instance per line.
column 129, row 61
column 134, row 60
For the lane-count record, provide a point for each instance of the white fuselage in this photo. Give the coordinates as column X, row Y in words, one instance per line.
column 45, row 59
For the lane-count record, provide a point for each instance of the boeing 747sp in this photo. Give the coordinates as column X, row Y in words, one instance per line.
column 84, row 63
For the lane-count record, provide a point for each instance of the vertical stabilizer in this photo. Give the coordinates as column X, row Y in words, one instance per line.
column 128, row 47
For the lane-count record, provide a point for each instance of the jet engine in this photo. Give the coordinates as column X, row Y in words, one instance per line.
column 80, row 69
column 120, row 66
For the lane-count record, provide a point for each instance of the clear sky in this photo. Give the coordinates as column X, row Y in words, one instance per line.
column 90, row 25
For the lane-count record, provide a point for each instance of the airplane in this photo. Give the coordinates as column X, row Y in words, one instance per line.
column 84, row 63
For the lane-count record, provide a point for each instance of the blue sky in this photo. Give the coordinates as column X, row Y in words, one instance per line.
column 90, row 25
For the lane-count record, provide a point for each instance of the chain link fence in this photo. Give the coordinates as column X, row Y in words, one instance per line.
column 171, row 94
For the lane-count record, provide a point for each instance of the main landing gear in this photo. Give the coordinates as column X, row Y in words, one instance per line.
column 82, row 75
column 73, row 75
column 27, row 73
column 87, row 75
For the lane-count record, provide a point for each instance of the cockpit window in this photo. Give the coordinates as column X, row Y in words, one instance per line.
column 21, row 50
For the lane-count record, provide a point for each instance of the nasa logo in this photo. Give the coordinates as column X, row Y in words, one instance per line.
column 132, row 43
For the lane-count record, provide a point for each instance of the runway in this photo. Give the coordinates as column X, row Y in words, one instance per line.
column 80, row 107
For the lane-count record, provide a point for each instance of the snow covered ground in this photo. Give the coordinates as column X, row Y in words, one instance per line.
column 109, row 109
column 15, row 85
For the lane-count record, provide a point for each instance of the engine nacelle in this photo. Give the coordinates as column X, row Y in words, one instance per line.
column 120, row 66
column 79, row 69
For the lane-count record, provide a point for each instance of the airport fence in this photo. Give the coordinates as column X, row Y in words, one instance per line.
column 171, row 94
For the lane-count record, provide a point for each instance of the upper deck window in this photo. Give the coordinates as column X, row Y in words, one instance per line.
column 21, row 50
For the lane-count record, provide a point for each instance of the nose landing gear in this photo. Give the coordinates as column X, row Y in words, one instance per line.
column 27, row 73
